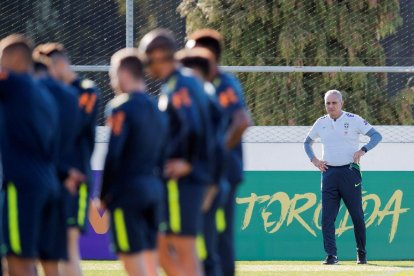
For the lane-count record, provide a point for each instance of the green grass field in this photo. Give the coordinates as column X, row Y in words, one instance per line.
column 289, row 268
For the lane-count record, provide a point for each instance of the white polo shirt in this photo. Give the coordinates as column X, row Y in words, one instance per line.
column 340, row 137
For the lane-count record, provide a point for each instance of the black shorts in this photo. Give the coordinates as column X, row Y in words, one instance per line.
column 135, row 219
column 34, row 224
column 182, row 203
column 77, row 207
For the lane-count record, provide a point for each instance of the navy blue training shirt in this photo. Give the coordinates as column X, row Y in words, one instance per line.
column 88, row 95
column 230, row 97
column 69, row 121
column 30, row 143
column 191, row 136
column 136, row 148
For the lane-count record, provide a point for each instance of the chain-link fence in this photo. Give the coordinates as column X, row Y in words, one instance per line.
column 355, row 36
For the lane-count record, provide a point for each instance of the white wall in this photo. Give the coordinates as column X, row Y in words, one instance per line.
column 269, row 149
column 291, row 157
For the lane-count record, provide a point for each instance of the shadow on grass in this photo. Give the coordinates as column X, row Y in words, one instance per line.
column 388, row 265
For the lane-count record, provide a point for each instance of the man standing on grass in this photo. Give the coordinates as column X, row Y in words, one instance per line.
column 190, row 149
column 341, row 176
column 87, row 95
column 68, row 121
column 29, row 147
column 132, row 186
column 202, row 62
column 229, row 93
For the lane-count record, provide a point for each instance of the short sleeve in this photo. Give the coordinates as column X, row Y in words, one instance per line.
column 314, row 132
column 230, row 100
column 230, row 94
column 362, row 125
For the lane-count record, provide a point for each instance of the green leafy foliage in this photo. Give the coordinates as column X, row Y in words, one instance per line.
column 306, row 33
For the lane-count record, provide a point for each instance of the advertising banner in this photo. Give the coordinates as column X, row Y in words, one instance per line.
column 278, row 217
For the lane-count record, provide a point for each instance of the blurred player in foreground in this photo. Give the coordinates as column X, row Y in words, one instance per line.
column 29, row 148
column 87, row 94
column 230, row 97
column 341, row 175
column 190, row 146
column 69, row 116
column 201, row 61
column 132, row 185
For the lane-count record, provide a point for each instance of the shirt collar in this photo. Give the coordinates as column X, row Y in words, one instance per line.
column 340, row 117
column 172, row 74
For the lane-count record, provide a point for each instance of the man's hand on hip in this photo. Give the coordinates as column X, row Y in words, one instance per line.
column 320, row 164
column 358, row 155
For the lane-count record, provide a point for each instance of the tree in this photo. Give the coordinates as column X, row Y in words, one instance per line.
column 92, row 30
column 151, row 14
column 297, row 33
column 42, row 25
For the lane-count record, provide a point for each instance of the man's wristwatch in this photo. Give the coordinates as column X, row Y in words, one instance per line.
column 364, row 149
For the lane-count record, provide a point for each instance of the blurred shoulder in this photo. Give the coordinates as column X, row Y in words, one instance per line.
column 322, row 119
column 353, row 116
column 87, row 84
column 350, row 115
column 188, row 78
column 116, row 104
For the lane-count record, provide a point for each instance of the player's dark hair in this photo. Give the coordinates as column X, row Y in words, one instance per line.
column 198, row 63
column 197, row 58
column 129, row 59
column 191, row 58
column 209, row 39
column 40, row 68
column 133, row 64
column 159, row 39
column 17, row 42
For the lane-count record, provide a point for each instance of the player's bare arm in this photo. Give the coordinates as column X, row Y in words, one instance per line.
column 241, row 121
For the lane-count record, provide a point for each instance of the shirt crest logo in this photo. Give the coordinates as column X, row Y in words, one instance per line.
column 346, row 125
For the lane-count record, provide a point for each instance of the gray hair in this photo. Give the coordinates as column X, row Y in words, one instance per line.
column 337, row 93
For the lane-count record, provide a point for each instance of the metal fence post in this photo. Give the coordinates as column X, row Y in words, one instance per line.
column 129, row 23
